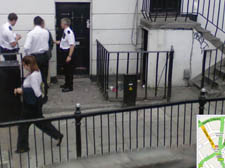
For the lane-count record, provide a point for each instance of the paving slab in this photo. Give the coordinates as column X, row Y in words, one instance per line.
column 88, row 94
column 161, row 158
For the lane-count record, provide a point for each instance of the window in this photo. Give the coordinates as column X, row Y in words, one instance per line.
column 165, row 5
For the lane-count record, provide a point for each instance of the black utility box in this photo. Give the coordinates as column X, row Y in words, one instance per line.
column 10, row 78
column 130, row 90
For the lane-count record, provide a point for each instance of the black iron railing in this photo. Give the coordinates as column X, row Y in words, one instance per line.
column 213, row 67
column 154, row 9
column 111, row 131
column 153, row 70
column 211, row 12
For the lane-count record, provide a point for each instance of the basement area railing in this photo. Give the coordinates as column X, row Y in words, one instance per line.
column 211, row 13
column 104, row 132
column 154, row 9
column 213, row 67
column 153, row 70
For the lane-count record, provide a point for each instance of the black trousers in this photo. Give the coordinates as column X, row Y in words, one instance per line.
column 68, row 69
column 10, row 55
column 43, row 64
column 34, row 112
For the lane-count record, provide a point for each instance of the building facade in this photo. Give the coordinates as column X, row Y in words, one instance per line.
column 112, row 22
column 119, row 26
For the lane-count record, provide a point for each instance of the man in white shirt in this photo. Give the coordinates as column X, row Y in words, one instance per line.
column 9, row 39
column 37, row 45
column 67, row 47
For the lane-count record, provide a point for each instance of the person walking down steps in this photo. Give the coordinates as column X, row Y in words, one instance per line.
column 32, row 106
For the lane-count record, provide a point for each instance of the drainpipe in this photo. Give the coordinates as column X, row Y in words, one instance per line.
column 135, row 26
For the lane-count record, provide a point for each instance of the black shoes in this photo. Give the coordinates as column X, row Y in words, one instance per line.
column 20, row 151
column 62, row 86
column 60, row 141
column 45, row 100
column 67, row 90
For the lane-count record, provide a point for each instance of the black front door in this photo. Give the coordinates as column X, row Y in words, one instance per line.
column 79, row 13
column 165, row 5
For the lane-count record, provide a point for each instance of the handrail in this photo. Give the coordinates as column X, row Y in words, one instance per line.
column 106, row 112
column 105, row 128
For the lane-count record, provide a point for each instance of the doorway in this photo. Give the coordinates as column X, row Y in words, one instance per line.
column 165, row 5
column 79, row 13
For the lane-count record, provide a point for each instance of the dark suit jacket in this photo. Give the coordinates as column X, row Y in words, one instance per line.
column 29, row 96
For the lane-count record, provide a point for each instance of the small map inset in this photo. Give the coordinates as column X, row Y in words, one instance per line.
column 210, row 141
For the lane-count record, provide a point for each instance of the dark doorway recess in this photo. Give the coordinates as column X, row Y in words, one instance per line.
column 165, row 5
column 79, row 13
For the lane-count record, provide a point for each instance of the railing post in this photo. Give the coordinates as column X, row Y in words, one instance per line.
column 107, row 76
column 170, row 76
column 97, row 62
column 203, row 69
column 202, row 101
column 78, row 130
column 198, row 7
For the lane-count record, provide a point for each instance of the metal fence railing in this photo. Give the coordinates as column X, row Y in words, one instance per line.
column 213, row 67
column 152, row 9
column 153, row 70
column 212, row 12
column 104, row 132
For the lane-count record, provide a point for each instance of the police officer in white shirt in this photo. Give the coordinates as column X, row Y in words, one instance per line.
column 9, row 39
column 37, row 45
column 67, row 47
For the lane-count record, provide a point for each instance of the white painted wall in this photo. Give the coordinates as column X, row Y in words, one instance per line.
column 188, row 54
column 112, row 24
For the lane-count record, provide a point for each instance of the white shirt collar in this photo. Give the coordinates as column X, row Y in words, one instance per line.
column 8, row 24
column 68, row 28
column 37, row 27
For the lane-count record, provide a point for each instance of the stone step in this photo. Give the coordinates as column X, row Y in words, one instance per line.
column 170, row 23
column 216, row 42
column 210, row 91
column 220, row 72
column 213, row 83
column 201, row 30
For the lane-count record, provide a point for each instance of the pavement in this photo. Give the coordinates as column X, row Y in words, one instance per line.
column 88, row 94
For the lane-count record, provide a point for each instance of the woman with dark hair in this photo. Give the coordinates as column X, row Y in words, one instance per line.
column 32, row 99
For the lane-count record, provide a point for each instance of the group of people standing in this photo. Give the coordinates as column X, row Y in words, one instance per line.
column 39, row 43
column 37, row 49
